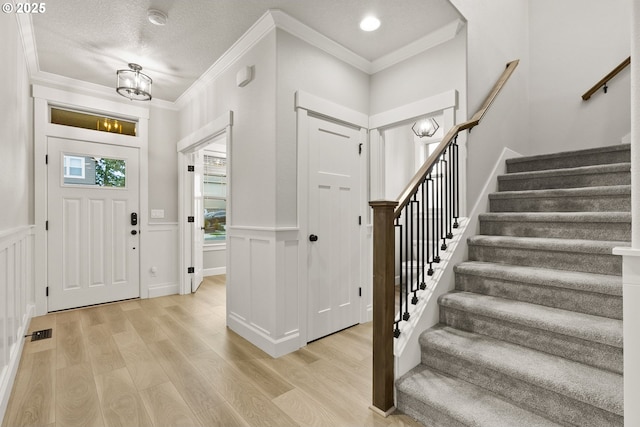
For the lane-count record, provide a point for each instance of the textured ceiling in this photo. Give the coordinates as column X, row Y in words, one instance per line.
column 90, row 39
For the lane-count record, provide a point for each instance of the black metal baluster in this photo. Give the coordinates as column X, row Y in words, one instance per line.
column 430, row 251
column 450, row 194
column 434, row 220
column 456, row 210
column 443, row 232
column 396, row 331
column 416, row 238
column 405, row 291
column 425, row 244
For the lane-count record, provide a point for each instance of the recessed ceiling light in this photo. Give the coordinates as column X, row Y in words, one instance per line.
column 157, row 17
column 370, row 23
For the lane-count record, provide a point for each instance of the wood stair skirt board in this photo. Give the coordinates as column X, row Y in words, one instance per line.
column 532, row 333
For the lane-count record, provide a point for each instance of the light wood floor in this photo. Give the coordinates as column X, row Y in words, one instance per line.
column 171, row 361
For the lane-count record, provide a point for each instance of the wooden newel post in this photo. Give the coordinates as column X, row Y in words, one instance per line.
column 383, row 303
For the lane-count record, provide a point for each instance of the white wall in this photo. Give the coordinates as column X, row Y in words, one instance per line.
column 163, row 163
column 574, row 43
column 305, row 67
column 497, row 32
column 16, row 199
column 399, row 150
column 430, row 73
column 253, row 151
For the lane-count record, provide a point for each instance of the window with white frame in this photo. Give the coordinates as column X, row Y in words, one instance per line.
column 74, row 167
column 215, row 198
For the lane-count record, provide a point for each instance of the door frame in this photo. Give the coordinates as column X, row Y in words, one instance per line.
column 200, row 138
column 307, row 104
column 44, row 98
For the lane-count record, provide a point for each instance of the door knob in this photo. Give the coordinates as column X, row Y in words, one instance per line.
column 134, row 232
column 313, row 238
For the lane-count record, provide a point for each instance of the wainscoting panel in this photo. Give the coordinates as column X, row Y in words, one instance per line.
column 263, row 287
column 16, row 303
column 159, row 269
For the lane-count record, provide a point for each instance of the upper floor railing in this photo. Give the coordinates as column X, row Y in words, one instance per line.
column 602, row 83
column 421, row 220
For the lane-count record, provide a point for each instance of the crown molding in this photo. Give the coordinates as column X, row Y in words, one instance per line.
column 84, row 87
column 250, row 38
column 293, row 26
column 25, row 27
column 273, row 18
column 431, row 40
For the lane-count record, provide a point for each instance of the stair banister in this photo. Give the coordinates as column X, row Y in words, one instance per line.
column 415, row 201
column 603, row 81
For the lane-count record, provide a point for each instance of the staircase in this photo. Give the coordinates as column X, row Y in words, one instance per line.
column 532, row 334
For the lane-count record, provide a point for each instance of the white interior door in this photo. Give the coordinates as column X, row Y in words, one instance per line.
column 93, row 238
column 334, row 247
column 197, row 229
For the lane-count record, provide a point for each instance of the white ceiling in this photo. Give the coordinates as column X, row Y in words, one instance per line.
column 90, row 39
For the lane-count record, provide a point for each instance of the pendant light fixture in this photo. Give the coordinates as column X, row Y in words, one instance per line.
column 133, row 84
column 427, row 127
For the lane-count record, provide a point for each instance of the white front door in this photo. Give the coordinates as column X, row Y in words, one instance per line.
column 334, row 244
column 197, row 228
column 93, row 240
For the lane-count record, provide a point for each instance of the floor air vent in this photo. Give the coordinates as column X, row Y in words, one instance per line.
column 41, row 335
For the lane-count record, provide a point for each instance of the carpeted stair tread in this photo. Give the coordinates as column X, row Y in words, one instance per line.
column 588, row 282
column 564, row 225
column 460, row 402
column 545, row 244
column 578, row 325
column 583, row 176
column 611, row 190
column 568, row 217
column 583, row 383
column 575, row 158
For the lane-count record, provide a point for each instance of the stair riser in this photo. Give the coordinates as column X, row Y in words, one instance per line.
column 564, row 181
column 563, row 298
column 550, row 404
column 602, row 203
column 574, row 161
column 427, row 415
column 562, row 230
column 571, row 261
column 580, row 350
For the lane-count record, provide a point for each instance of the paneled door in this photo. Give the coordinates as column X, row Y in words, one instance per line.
column 93, row 226
column 334, row 244
column 197, row 229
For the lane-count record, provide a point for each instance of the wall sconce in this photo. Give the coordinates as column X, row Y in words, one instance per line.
column 427, row 127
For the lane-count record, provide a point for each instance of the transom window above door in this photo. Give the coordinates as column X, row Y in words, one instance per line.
column 60, row 116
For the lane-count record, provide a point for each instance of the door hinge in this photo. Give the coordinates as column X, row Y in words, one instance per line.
column 191, row 270
column 191, row 219
column 46, row 159
column 360, row 148
column 191, row 168
column 47, row 291
column 359, row 292
column 46, row 225
column 359, row 219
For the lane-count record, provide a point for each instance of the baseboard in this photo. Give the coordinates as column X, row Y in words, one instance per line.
column 8, row 377
column 164, row 289
column 214, row 271
column 273, row 347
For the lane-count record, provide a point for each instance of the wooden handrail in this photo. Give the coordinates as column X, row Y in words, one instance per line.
column 603, row 81
column 384, row 241
column 425, row 169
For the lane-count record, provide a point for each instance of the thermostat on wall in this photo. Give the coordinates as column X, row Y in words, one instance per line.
column 244, row 76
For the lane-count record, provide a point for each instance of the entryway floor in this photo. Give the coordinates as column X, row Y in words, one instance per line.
column 171, row 361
